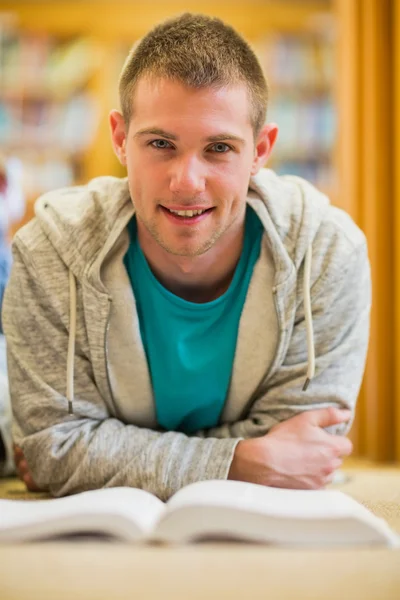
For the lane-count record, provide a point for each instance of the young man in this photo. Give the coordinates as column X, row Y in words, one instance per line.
column 160, row 327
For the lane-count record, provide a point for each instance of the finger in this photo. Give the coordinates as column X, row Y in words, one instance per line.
column 325, row 417
column 18, row 454
column 25, row 475
column 21, row 473
column 30, row 484
column 331, row 466
column 329, row 478
column 337, row 463
column 23, row 466
column 343, row 446
column 17, row 450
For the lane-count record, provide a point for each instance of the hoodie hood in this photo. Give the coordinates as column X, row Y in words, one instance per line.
column 69, row 216
column 295, row 211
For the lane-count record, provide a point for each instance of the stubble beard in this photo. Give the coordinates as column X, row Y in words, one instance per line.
column 184, row 252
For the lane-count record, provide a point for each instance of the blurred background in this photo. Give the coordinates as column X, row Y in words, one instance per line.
column 334, row 72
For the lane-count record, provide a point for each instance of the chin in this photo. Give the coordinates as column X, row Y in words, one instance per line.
column 183, row 252
column 187, row 251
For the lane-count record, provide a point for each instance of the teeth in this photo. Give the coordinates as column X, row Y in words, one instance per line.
column 187, row 213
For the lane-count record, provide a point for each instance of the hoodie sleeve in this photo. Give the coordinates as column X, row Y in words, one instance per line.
column 89, row 449
column 341, row 301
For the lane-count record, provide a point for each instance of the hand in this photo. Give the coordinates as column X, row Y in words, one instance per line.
column 297, row 453
column 23, row 470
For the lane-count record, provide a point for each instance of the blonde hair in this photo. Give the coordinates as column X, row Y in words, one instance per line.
column 198, row 51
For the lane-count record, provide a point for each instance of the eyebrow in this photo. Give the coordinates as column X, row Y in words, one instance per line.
column 156, row 131
column 220, row 137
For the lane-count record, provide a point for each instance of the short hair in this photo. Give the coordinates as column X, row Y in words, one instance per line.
column 198, row 51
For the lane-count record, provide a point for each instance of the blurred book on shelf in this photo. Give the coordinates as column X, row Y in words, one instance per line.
column 300, row 70
column 48, row 115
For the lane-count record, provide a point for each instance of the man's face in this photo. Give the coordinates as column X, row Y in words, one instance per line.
column 188, row 150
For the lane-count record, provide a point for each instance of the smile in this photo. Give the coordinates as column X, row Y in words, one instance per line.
column 186, row 217
column 187, row 213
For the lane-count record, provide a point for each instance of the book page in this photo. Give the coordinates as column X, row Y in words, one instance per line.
column 125, row 513
column 300, row 504
column 215, row 510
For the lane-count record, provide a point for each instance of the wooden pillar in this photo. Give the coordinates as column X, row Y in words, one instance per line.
column 396, row 172
column 365, row 156
column 349, row 193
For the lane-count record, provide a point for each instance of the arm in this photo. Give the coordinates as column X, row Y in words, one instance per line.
column 299, row 450
column 90, row 449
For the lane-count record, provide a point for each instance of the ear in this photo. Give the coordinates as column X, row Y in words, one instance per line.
column 118, row 135
column 264, row 144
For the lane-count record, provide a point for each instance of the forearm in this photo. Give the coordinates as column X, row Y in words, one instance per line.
column 265, row 414
column 91, row 449
column 85, row 454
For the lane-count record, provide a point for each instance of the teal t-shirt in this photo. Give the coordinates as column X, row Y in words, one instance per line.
column 190, row 347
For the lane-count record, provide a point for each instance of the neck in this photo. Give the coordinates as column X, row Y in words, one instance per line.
column 199, row 278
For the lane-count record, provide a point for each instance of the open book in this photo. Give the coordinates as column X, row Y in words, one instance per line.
column 207, row 510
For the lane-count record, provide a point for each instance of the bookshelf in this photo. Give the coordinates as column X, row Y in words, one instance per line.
column 300, row 69
column 48, row 114
column 91, row 41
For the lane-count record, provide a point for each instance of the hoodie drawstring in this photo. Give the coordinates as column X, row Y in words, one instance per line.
column 71, row 341
column 308, row 317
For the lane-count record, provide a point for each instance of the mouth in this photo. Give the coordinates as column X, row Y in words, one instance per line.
column 188, row 216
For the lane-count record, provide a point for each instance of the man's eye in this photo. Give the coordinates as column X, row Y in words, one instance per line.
column 221, row 148
column 160, row 144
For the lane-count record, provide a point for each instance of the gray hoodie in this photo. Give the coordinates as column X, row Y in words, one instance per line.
column 69, row 300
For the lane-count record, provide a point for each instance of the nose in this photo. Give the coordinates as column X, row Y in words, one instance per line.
column 187, row 176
